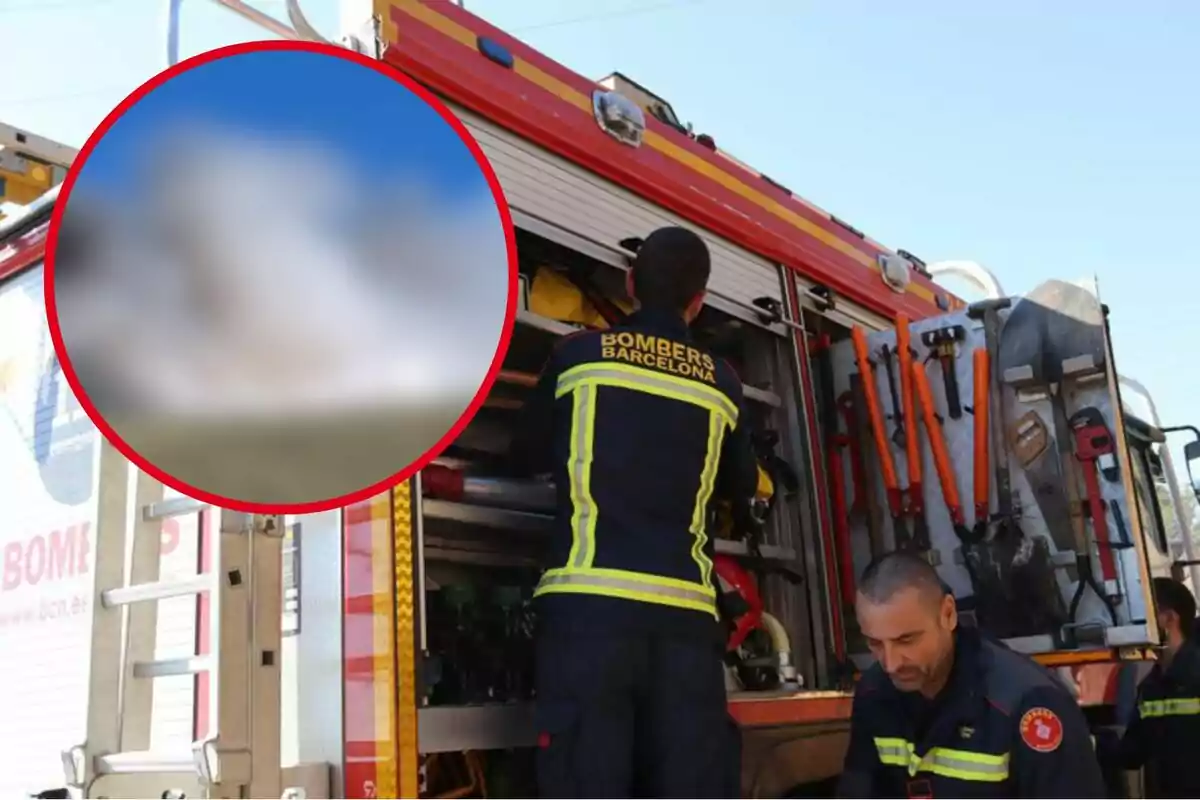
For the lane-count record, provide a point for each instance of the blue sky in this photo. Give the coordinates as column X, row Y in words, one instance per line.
column 379, row 125
column 1040, row 139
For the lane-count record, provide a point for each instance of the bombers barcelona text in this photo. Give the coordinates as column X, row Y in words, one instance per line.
column 655, row 352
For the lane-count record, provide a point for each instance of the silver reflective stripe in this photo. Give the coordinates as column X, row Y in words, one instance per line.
column 579, row 467
column 650, row 382
column 977, row 767
column 697, row 595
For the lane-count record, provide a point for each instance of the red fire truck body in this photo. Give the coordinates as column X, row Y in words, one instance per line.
column 418, row 685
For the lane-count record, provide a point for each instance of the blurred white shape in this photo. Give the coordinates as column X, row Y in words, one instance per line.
column 260, row 279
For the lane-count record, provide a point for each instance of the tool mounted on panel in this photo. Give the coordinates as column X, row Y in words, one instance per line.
column 1054, row 339
column 991, row 601
column 904, row 503
column 889, row 358
column 990, row 417
column 837, row 555
column 854, row 404
column 883, row 451
column 1095, row 451
column 943, row 344
column 853, row 444
column 838, row 551
column 981, row 374
column 1022, row 566
column 1083, row 565
column 915, row 493
column 1030, row 439
column 941, row 459
column 994, row 598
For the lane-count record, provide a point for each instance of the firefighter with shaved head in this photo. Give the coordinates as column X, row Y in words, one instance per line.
column 947, row 712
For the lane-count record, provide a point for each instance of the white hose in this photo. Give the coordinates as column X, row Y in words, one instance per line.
column 782, row 645
column 982, row 277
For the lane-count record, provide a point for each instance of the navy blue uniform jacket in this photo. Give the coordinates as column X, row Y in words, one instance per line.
column 640, row 428
column 1164, row 734
column 1002, row 727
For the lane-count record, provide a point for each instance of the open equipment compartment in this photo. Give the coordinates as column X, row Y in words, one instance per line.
column 481, row 534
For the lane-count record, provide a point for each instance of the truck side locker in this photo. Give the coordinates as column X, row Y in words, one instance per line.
column 1084, row 583
column 239, row 754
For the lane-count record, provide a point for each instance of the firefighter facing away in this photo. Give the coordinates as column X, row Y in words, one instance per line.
column 640, row 428
column 1163, row 735
column 947, row 712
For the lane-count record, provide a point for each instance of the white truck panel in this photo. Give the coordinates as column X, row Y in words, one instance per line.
column 47, row 493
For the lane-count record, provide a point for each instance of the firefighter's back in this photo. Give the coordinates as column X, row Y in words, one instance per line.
column 641, row 415
column 644, row 428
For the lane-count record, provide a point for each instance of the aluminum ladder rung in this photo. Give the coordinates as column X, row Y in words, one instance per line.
column 170, row 667
column 174, row 507
column 144, row 762
column 157, row 590
column 242, row 583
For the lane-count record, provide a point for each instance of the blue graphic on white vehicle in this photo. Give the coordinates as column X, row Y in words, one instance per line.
column 35, row 396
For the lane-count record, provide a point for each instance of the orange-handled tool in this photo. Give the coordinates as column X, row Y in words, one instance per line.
column 983, row 476
column 912, row 442
column 886, row 464
column 915, row 492
column 937, row 443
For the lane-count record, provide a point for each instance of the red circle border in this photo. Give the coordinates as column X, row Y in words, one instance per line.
column 502, row 344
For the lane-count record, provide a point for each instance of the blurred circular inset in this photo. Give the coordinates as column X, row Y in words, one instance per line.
column 281, row 276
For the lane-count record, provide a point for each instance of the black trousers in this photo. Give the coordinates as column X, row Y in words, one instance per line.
column 634, row 715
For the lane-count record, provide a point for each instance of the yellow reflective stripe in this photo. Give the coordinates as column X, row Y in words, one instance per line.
column 708, row 479
column 579, row 476
column 894, row 752
column 637, row 379
column 959, row 764
column 1171, row 707
column 630, row 586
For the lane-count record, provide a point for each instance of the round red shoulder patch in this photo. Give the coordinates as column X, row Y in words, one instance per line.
column 1041, row 729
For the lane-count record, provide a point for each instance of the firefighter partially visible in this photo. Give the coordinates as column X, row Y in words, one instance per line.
column 947, row 712
column 640, row 428
column 1163, row 735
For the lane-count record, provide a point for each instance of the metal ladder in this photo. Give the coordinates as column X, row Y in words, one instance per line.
column 239, row 755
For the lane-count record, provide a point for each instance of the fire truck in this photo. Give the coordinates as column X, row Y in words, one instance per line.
column 30, row 165
column 157, row 646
